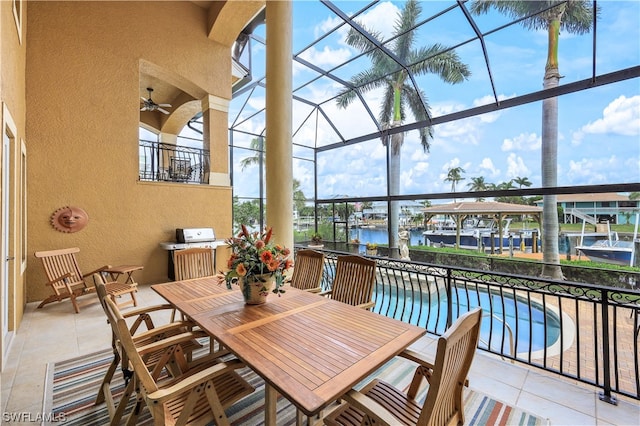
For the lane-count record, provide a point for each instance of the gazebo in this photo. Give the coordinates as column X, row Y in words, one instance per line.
column 459, row 211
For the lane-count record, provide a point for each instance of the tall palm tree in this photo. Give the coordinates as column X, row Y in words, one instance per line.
column 522, row 181
column 257, row 145
column 478, row 184
column 454, row 176
column 391, row 74
column 573, row 16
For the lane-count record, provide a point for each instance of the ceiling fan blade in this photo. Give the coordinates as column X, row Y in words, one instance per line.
column 144, row 99
column 165, row 105
column 143, row 108
column 163, row 111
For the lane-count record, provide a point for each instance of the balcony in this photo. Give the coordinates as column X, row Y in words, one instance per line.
column 162, row 162
column 567, row 386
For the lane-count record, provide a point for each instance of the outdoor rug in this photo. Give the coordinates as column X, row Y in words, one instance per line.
column 72, row 385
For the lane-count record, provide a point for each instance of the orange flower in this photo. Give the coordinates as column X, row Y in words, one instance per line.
column 241, row 270
column 232, row 259
column 273, row 265
column 260, row 244
column 266, row 257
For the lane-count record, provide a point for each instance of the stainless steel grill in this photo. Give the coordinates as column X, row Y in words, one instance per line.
column 187, row 238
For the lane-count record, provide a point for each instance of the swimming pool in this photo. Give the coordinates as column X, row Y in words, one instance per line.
column 528, row 320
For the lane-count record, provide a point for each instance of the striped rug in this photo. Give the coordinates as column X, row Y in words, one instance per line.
column 72, row 386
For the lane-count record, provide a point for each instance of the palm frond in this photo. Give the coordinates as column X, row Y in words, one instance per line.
column 438, row 60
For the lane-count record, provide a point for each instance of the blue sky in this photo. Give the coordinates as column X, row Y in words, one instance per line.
column 599, row 129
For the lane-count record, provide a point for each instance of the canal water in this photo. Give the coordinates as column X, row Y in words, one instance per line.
column 379, row 236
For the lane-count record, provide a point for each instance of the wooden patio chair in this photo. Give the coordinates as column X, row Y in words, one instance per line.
column 307, row 270
column 354, row 281
column 199, row 395
column 195, row 262
column 171, row 361
column 380, row 403
column 67, row 282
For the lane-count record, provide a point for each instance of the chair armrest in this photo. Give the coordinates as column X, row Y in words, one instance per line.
column 367, row 305
column 162, row 395
column 102, row 268
column 143, row 315
column 416, row 357
column 374, row 411
column 146, row 310
column 169, row 341
column 419, row 358
column 60, row 278
column 325, row 293
column 182, row 327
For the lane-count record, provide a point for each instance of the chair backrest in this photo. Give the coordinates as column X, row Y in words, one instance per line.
column 123, row 335
column 307, row 270
column 354, row 281
column 58, row 263
column 456, row 349
column 193, row 262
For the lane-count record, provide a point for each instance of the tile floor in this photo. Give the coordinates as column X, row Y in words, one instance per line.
column 55, row 333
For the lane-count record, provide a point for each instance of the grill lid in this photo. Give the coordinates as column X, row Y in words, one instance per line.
column 192, row 235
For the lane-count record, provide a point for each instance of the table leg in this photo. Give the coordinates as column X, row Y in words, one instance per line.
column 270, row 399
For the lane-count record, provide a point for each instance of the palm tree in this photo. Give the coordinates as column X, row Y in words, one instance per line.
column 454, row 176
column 391, row 74
column 522, row 181
column 478, row 184
column 257, row 145
column 573, row 16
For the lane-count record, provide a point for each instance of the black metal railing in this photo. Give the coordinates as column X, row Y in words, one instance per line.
column 162, row 162
column 585, row 332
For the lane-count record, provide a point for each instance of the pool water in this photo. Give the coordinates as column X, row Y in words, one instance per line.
column 530, row 323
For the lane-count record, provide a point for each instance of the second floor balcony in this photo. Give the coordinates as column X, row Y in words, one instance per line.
column 163, row 162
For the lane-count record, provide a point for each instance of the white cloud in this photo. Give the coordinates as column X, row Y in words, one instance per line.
column 381, row 18
column 327, row 57
column 516, row 166
column 590, row 171
column 622, row 117
column 522, row 142
column 490, row 117
column 487, row 165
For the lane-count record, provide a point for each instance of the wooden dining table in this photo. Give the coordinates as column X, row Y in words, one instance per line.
column 306, row 347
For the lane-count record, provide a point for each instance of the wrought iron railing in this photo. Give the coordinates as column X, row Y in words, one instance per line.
column 585, row 332
column 162, row 162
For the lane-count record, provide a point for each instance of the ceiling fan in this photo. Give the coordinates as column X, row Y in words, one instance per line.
column 149, row 105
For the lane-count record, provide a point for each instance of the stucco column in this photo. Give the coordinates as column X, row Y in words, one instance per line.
column 215, row 138
column 279, row 163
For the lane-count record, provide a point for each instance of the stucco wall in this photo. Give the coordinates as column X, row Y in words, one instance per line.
column 83, row 103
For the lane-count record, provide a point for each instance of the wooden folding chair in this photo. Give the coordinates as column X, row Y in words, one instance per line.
column 199, row 395
column 380, row 403
column 67, row 282
column 307, row 270
column 354, row 281
column 193, row 262
column 141, row 338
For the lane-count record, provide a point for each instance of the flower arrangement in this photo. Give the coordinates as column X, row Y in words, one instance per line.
column 316, row 238
column 355, row 241
column 252, row 254
column 372, row 246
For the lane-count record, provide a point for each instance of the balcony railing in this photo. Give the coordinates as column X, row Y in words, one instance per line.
column 162, row 162
column 585, row 332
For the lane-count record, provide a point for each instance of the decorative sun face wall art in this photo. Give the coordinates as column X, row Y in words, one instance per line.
column 69, row 219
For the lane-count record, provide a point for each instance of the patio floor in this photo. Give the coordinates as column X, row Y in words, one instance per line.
column 55, row 333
